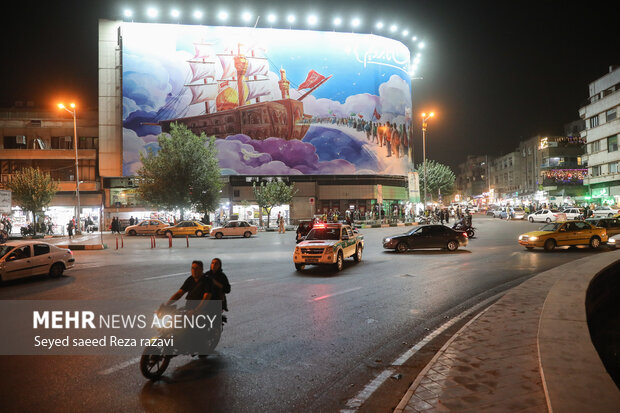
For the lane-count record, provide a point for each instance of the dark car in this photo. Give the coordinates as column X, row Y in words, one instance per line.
column 303, row 229
column 612, row 225
column 427, row 236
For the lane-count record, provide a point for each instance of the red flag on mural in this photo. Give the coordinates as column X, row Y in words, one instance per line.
column 376, row 114
column 312, row 80
column 361, row 116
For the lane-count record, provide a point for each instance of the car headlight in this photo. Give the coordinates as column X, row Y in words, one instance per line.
column 520, row 237
column 387, row 239
column 611, row 241
column 533, row 238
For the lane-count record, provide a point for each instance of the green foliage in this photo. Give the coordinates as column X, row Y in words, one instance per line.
column 440, row 177
column 32, row 190
column 184, row 174
column 271, row 194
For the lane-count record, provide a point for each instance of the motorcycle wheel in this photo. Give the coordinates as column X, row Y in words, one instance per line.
column 471, row 233
column 152, row 366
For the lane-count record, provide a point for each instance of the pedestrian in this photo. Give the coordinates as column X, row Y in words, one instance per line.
column 281, row 228
column 395, row 141
column 374, row 132
column 70, row 229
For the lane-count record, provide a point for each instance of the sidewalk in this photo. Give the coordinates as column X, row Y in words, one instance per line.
column 493, row 363
column 80, row 242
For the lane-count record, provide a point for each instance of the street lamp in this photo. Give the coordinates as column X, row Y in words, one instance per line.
column 424, row 119
column 77, row 176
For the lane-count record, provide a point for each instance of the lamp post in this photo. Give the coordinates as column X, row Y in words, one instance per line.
column 72, row 111
column 424, row 120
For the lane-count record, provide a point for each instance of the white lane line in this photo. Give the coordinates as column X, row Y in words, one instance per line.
column 119, row 366
column 162, row 276
column 334, row 294
column 354, row 403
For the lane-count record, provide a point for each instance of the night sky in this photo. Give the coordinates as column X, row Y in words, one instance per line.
column 494, row 72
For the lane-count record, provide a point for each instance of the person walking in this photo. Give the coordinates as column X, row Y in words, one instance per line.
column 70, row 229
column 281, row 227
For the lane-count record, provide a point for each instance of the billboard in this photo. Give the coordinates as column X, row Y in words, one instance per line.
column 279, row 102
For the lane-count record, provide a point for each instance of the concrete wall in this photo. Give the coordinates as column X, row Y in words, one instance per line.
column 110, row 98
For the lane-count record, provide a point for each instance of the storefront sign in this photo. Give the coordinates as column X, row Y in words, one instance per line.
column 599, row 193
column 5, row 202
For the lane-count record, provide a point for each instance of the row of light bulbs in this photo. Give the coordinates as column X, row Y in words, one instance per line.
column 312, row 20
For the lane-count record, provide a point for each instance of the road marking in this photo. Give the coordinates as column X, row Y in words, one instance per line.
column 162, row 276
column 356, row 402
column 119, row 366
column 334, row 294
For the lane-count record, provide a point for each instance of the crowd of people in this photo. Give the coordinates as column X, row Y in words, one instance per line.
column 395, row 137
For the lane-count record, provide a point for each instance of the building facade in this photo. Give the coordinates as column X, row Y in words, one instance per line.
column 602, row 129
column 44, row 139
column 471, row 181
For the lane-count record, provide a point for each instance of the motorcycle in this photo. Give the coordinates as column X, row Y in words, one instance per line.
column 27, row 230
column 463, row 225
column 156, row 358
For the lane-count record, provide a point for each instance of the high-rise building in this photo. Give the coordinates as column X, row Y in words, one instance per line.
column 601, row 133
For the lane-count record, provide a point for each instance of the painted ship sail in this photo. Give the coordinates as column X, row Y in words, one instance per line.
column 231, row 85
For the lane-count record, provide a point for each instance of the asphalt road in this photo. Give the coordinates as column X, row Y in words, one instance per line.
column 294, row 341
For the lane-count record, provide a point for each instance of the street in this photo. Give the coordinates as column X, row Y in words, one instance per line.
column 294, row 341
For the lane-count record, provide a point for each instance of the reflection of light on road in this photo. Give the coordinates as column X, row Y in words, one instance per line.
column 334, row 294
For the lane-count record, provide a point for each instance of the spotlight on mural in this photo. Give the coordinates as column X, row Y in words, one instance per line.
column 279, row 102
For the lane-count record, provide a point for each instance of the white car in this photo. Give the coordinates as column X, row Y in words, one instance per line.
column 573, row 213
column 604, row 211
column 234, row 229
column 544, row 215
column 614, row 242
column 518, row 213
column 19, row 259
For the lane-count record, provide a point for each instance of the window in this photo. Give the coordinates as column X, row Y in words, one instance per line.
column 594, row 121
column 595, row 146
column 612, row 143
column 581, row 225
column 610, row 115
column 613, row 168
column 596, row 170
column 41, row 249
column 236, row 193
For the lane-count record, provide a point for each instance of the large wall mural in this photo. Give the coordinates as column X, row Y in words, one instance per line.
column 278, row 101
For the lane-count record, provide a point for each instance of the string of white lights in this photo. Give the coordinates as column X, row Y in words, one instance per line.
column 290, row 21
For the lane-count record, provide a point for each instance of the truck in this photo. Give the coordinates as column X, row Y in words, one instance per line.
column 329, row 244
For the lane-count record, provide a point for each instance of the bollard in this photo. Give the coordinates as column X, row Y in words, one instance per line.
column 154, row 241
column 169, row 240
column 151, row 237
column 116, row 242
column 187, row 239
column 122, row 243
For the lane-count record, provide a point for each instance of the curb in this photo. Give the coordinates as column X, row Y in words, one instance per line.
column 79, row 247
column 405, row 400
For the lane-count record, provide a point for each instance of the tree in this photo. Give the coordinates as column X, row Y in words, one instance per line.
column 32, row 190
column 183, row 174
column 271, row 194
column 440, row 178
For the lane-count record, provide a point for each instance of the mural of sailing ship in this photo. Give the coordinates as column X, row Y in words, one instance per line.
column 233, row 103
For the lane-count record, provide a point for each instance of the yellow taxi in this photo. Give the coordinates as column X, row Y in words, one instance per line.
column 558, row 234
column 186, row 228
column 146, row 227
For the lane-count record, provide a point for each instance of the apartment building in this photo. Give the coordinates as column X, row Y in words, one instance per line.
column 601, row 134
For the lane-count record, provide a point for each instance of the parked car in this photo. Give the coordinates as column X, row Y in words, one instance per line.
column 557, row 234
column 427, row 236
column 185, row 228
column 612, row 225
column 146, row 227
column 19, row 259
column 604, row 211
column 518, row 213
column 234, row 229
column 573, row 213
column 544, row 215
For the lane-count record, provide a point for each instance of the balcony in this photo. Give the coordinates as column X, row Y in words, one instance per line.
column 47, row 154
